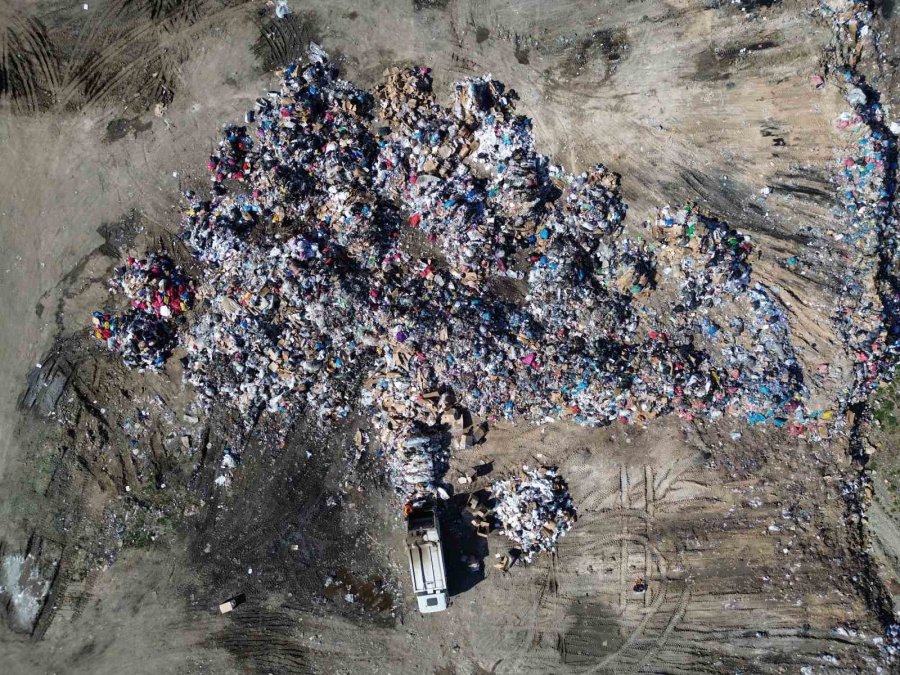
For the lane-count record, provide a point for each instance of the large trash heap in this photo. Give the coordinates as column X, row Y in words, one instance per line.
column 390, row 254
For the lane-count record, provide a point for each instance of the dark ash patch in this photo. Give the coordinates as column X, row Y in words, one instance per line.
column 715, row 64
column 607, row 47
column 419, row 5
column 522, row 56
column 119, row 128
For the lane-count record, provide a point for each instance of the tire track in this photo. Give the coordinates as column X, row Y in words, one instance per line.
column 35, row 75
column 677, row 616
column 283, row 40
column 266, row 639
column 173, row 39
column 186, row 9
column 620, row 529
column 93, row 67
column 35, row 34
column 29, row 68
column 100, row 74
column 107, row 17
column 92, row 64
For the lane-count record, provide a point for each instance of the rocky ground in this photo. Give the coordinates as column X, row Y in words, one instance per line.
column 761, row 552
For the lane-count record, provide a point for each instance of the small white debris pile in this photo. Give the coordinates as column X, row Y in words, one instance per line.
column 534, row 509
column 23, row 590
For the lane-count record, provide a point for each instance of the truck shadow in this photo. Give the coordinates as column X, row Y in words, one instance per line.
column 464, row 550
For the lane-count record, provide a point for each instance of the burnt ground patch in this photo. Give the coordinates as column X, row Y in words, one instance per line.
column 719, row 63
column 287, row 522
column 598, row 50
column 119, row 128
column 289, row 529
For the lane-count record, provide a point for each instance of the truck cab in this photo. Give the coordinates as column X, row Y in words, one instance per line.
column 426, row 560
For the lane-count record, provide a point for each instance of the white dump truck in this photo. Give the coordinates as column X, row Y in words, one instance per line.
column 426, row 560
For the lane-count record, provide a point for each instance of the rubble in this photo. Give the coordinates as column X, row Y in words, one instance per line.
column 534, row 509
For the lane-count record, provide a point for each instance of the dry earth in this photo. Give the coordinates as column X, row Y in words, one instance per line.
column 752, row 556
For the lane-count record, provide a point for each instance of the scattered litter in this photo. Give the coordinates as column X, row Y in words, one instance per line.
column 230, row 604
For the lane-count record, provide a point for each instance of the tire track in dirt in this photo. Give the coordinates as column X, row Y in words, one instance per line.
column 98, row 75
column 74, row 65
column 676, row 618
column 186, row 9
column 93, row 67
column 268, row 640
column 283, row 40
column 35, row 35
column 105, row 17
column 29, row 68
column 613, row 627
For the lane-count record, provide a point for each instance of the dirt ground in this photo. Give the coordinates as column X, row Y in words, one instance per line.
column 755, row 561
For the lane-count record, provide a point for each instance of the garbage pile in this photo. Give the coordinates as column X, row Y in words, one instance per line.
column 480, row 212
column 868, row 311
column 533, row 509
column 718, row 262
column 416, row 463
column 868, row 315
column 158, row 294
column 341, row 292
column 351, row 248
column 154, row 285
column 409, row 428
column 737, row 323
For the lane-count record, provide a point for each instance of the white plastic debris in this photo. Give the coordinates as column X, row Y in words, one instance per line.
column 282, row 9
column 534, row 509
